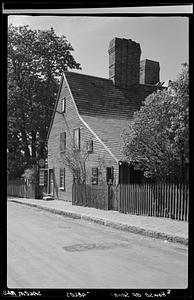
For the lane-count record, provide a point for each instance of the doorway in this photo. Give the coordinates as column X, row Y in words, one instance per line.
column 51, row 182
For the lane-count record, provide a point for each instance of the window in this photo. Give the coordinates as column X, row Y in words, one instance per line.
column 94, row 175
column 63, row 105
column 62, row 179
column 76, row 138
column 46, row 177
column 109, row 175
column 76, row 176
column 89, row 146
column 62, row 141
column 43, row 177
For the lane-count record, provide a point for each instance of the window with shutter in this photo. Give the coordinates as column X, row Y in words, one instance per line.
column 45, row 177
column 109, row 175
column 76, row 138
column 62, row 141
column 94, row 175
column 62, row 179
column 89, row 146
column 41, row 178
column 76, row 176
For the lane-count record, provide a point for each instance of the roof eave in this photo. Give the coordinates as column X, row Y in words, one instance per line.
column 55, row 108
column 86, row 124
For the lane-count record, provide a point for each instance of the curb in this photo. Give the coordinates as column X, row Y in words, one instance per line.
column 115, row 225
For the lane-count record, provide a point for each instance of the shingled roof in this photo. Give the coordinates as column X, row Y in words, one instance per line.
column 106, row 109
column 96, row 96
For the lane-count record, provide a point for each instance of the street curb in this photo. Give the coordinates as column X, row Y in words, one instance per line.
column 115, row 225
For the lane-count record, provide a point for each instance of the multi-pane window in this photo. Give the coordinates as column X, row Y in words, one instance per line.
column 43, row 177
column 94, row 175
column 76, row 176
column 62, row 179
column 109, row 175
column 63, row 105
column 89, row 146
column 62, row 141
column 76, row 138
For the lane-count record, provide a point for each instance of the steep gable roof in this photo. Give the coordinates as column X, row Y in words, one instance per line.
column 95, row 96
column 105, row 108
column 55, row 108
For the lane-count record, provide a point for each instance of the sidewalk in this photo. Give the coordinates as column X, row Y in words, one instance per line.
column 156, row 227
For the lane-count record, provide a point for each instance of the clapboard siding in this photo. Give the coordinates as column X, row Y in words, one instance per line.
column 67, row 123
column 110, row 132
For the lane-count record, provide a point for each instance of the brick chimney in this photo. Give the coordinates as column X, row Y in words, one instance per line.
column 124, row 62
column 149, row 72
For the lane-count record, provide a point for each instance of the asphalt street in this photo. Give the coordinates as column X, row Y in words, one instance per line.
column 52, row 251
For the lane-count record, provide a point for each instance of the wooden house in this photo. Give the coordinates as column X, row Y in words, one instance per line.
column 92, row 113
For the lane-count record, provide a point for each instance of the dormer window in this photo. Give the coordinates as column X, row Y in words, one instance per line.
column 63, row 105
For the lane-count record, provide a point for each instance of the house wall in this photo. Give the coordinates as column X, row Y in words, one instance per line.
column 100, row 157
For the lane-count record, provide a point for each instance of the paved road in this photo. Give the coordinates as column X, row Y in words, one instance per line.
column 51, row 251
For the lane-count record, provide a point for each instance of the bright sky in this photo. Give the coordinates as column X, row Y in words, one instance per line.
column 164, row 39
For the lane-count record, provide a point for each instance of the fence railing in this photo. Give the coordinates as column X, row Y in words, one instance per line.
column 162, row 200
column 20, row 188
column 90, row 195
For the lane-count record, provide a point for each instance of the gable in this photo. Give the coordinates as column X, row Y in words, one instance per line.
column 104, row 109
column 72, row 117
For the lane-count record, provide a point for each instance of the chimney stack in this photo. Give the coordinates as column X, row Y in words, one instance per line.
column 149, row 72
column 124, row 62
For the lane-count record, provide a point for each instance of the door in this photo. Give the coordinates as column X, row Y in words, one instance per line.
column 112, row 197
column 51, row 182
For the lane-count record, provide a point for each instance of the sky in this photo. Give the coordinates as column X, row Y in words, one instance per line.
column 162, row 38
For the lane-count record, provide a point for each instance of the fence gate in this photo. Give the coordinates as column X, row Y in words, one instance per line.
column 112, row 197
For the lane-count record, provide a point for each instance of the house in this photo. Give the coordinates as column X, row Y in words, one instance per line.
column 92, row 113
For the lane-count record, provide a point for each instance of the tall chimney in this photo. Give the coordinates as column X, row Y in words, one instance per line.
column 124, row 62
column 149, row 72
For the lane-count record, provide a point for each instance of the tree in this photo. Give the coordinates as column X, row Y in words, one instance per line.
column 157, row 139
column 75, row 160
column 36, row 60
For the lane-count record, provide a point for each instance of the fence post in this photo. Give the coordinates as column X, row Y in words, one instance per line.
column 117, row 193
column 187, row 193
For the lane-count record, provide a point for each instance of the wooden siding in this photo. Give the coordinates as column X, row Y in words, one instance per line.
column 110, row 132
column 66, row 123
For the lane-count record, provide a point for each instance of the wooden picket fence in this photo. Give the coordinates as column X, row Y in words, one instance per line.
column 161, row 200
column 90, row 195
column 19, row 188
